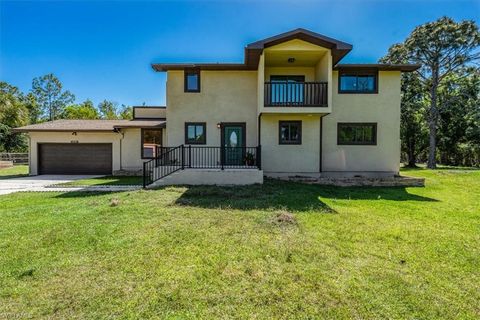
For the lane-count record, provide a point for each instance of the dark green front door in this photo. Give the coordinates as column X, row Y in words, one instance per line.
column 233, row 141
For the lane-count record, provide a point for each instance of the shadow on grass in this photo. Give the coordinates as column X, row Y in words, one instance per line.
column 13, row 176
column 84, row 194
column 274, row 194
column 106, row 181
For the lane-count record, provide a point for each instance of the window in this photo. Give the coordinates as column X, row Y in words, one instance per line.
column 358, row 82
column 290, row 132
column 151, row 139
column 357, row 134
column 195, row 133
column 192, row 80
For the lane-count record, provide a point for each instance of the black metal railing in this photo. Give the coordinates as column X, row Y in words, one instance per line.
column 296, row 94
column 163, row 165
column 172, row 159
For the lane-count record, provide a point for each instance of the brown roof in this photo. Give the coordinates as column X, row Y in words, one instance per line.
column 91, row 125
column 378, row 66
column 255, row 49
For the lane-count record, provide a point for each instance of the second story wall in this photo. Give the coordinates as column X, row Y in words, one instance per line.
column 382, row 108
column 225, row 96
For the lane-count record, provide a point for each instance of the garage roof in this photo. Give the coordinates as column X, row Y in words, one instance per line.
column 91, row 125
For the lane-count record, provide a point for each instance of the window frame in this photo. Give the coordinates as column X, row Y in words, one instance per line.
column 358, row 124
column 283, row 122
column 357, row 73
column 204, row 140
column 187, row 72
column 142, row 136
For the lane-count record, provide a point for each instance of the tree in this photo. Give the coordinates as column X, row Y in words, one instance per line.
column 459, row 108
column 441, row 48
column 13, row 113
column 108, row 110
column 85, row 110
column 48, row 93
column 126, row 112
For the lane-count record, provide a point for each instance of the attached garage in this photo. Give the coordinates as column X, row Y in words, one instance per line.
column 75, row 158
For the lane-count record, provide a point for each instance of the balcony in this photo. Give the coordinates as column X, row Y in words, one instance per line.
column 296, row 94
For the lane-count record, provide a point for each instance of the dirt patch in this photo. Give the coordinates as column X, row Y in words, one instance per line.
column 285, row 218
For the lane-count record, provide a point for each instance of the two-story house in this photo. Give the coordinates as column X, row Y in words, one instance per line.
column 290, row 109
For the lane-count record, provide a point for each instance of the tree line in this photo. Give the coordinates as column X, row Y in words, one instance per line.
column 46, row 101
column 440, row 108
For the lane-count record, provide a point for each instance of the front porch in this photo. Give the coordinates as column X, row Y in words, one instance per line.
column 191, row 165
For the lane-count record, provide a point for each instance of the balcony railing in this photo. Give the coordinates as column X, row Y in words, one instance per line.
column 296, row 94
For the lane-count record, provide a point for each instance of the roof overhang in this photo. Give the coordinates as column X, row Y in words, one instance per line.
column 254, row 50
column 91, row 125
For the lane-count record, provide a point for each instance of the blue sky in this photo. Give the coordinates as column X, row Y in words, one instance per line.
column 103, row 49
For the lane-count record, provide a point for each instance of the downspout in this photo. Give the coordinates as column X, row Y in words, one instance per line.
column 320, row 162
column 123, row 135
column 30, row 154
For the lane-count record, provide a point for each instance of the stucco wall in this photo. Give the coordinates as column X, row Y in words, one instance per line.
column 382, row 108
column 130, row 159
column 279, row 158
column 308, row 72
column 224, row 97
column 150, row 112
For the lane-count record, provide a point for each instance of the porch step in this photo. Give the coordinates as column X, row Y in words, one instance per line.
column 226, row 177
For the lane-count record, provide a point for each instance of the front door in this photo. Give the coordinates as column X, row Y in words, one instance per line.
column 233, row 139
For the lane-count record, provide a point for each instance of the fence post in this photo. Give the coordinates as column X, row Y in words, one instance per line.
column 144, row 175
column 222, row 156
column 189, row 155
column 259, row 157
column 183, row 157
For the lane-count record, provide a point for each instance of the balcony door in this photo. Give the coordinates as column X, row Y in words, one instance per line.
column 233, row 139
column 287, row 90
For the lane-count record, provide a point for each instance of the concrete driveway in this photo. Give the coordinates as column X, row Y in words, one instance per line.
column 36, row 183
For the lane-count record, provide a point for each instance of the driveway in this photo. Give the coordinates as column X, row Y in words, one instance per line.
column 36, row 183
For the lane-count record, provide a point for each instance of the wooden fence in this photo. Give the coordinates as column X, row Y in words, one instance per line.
column 17, row 158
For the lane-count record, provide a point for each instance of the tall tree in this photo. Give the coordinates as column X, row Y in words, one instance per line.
column 85, row 110
column 126, row 112
column 441, row 48
column 108, row 110
column 49, row 94
column 13, row 113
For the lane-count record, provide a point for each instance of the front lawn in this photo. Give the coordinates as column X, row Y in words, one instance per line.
column 212, row 252
column 14, row 172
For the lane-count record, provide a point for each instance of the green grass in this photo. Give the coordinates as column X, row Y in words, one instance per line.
column 211, row 252
column 104, row 181
column 14, row 172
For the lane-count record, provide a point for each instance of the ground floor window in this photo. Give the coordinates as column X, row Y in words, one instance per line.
column 290, row 132
column 357, row 134
column 195, row 133
column 151, row 140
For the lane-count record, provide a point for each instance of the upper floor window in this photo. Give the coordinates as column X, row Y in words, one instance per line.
column 358, row 82
column 195, row 133
column 290, row 132
column 357, row 133
column 151, row 140
column 192, row 80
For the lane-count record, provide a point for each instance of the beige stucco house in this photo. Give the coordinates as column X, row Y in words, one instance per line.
column 290, row 109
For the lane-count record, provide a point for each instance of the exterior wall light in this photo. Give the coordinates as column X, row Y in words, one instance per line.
column 219, row 125
column 74, row 133
column 291, row 60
